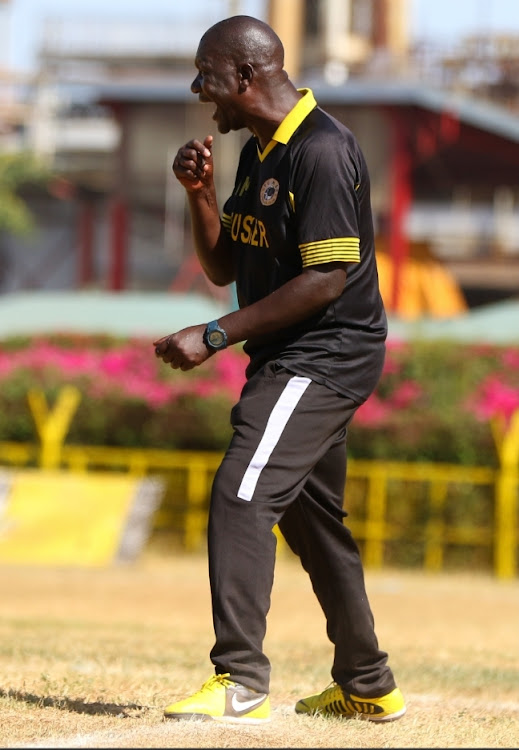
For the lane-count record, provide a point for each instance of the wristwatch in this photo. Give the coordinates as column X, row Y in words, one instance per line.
column 215, row 337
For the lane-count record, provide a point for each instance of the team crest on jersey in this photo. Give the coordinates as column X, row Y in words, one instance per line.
column 269, row 192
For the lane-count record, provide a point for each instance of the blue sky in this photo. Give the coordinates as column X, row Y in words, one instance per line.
column 451, row 18
column 433, row 19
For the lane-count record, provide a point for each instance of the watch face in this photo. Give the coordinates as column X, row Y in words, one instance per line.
column 215, row 338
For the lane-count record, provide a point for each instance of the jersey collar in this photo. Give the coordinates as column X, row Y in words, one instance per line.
column 292, row 121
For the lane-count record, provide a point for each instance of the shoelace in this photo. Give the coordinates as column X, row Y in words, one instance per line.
column 213, row 682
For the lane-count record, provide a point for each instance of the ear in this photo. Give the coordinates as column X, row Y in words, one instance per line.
column 246, row 74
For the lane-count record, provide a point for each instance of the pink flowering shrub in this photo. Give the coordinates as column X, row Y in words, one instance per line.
column 129, row 367
column 129, row 397
column 433, row 402
column 496, row 398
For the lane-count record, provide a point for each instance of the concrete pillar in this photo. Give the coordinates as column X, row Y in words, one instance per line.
column 287, row 19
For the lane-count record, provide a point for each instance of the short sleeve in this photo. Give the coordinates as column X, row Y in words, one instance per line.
column 324, row 186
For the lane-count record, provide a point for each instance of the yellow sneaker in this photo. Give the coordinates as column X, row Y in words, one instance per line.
column 335, row 702
column 222, row 699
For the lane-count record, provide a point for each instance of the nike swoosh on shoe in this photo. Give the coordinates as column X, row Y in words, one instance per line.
column 242, row 706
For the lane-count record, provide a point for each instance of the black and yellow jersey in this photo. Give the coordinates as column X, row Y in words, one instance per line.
column 305, row 201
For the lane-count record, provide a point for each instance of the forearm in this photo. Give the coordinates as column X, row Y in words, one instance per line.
column 295, row 301
column 211, row 241
column 193, row 167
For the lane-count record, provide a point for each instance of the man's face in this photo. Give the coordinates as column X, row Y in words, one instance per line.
column 218, row 81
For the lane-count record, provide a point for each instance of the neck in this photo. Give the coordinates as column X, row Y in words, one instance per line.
column 274, row 109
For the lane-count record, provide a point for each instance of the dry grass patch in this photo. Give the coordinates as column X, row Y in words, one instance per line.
column 89, row 658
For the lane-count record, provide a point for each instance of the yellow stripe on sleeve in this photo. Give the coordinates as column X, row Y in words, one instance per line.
column 226, row 222
column 346, row 249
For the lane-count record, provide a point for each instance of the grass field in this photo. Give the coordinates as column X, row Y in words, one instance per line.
column 89, row 658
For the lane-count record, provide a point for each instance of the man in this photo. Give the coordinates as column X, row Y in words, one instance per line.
column 297, row 237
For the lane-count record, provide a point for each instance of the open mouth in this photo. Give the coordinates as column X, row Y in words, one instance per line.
column 205, row 100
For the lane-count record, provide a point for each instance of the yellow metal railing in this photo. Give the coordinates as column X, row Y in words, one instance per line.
column 191, row 474
column 375, row 530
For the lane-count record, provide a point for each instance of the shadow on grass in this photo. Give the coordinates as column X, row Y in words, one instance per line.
column 77, row 706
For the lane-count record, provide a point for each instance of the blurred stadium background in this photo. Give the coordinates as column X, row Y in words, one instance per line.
column 108, row 247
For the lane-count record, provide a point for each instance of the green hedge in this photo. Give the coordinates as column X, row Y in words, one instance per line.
column 433, row 402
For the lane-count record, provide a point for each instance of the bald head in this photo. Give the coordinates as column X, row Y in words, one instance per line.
column 240, row 69
column 247, row 40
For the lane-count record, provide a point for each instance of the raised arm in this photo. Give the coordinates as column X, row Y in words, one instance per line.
column 193, row 167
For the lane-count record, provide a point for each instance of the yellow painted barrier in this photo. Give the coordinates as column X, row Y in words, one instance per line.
column 54, row 517
column 506, row 514
column 374, row 527
column 52, row 425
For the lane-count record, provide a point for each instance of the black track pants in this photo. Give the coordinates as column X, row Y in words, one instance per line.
column 286, row 464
